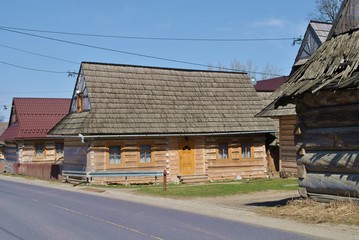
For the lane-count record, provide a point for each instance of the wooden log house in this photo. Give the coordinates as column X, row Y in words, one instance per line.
column 196, row 125
column 25, row 138
column 325, row 92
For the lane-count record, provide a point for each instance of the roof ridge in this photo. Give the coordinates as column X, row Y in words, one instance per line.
column 322, row 22
column 40, row 98
column 162, row 68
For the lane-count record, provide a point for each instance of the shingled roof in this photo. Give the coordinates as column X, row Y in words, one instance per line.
column 315, row 35
column 34, row 117
column 124, row 99
column 335, row 65
column 270, row 85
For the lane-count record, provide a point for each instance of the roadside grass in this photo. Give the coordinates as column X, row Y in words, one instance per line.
column 19, row 175
column 310, row 211
column 217, row 189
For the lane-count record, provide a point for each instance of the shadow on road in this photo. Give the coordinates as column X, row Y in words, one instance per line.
column 276, row 203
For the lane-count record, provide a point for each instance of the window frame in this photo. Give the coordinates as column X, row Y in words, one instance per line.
column 80, row 102
column 139, row 153
column 120, row 154
column 229, row 151
column 43, row 155
column 247, row 144
column 63, row 150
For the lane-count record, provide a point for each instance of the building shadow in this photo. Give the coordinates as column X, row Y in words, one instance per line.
column 275, row 203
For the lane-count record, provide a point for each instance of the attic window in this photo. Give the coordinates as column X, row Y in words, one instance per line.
column 79, row 102
column 13, row 117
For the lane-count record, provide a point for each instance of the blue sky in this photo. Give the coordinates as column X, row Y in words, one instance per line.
column 227, row 19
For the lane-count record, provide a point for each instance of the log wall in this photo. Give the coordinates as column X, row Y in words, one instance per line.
column 288, row 166
column 24, row 151
column 11, row 157
column 130, row 159
column 236, row 166
column 94, row 156
column 328, row 143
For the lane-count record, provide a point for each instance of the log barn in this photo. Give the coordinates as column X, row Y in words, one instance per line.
column 325, row 92
column 315, row 35
column 196, row 125
column 25, row 138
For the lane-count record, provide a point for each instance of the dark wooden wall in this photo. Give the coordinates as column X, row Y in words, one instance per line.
column 327, row 142
column 288, row 165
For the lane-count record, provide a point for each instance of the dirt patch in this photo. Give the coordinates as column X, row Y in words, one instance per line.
column 289, row 205
column 310, row 211
column 89, row 189
column 270, row 198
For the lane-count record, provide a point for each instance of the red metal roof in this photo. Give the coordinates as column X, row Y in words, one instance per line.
column 35, row 117
column 270, row 85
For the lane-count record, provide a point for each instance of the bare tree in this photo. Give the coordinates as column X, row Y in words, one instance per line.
column 326, row 10
column 251, row 69
column 270, row 71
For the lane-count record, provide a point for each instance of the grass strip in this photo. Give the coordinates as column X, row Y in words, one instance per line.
column 220, row 189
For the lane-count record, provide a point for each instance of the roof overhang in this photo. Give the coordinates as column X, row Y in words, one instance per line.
column 162, row 134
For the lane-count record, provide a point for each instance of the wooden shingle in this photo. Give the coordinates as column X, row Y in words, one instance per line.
column 148, row 100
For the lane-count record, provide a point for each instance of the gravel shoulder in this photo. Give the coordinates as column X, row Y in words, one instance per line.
column 242, row 208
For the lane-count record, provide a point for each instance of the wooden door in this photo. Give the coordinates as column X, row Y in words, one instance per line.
column 186, row 158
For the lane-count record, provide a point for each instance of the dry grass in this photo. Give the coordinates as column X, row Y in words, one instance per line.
column 310, row 211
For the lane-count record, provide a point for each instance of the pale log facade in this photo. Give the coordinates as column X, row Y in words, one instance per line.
column 199, row 159
column 196, row 125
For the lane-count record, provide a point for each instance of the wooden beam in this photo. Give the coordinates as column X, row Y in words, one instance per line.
column 330, row 98
column 331, row 161
column 335, row 116
column 333, row 184
column 344, row 138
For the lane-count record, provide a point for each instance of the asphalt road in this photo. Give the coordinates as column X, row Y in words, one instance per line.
column 32, row 212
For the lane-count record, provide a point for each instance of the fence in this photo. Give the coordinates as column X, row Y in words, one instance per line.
column 45, row 171
column 86, row 177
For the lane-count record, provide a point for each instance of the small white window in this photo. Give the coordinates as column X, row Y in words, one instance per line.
column 145, row 153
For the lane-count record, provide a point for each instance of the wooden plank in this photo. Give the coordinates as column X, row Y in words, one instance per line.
column 331, row 161
column 229, row 164
column 332, row 184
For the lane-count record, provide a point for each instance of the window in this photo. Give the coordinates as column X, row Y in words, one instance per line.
column 59, row 147
column 79, row 102
column 115, row 155
column 39, row 150
column 223, row 151
column 246, row 150
column 145, row 153
column 13, row 117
